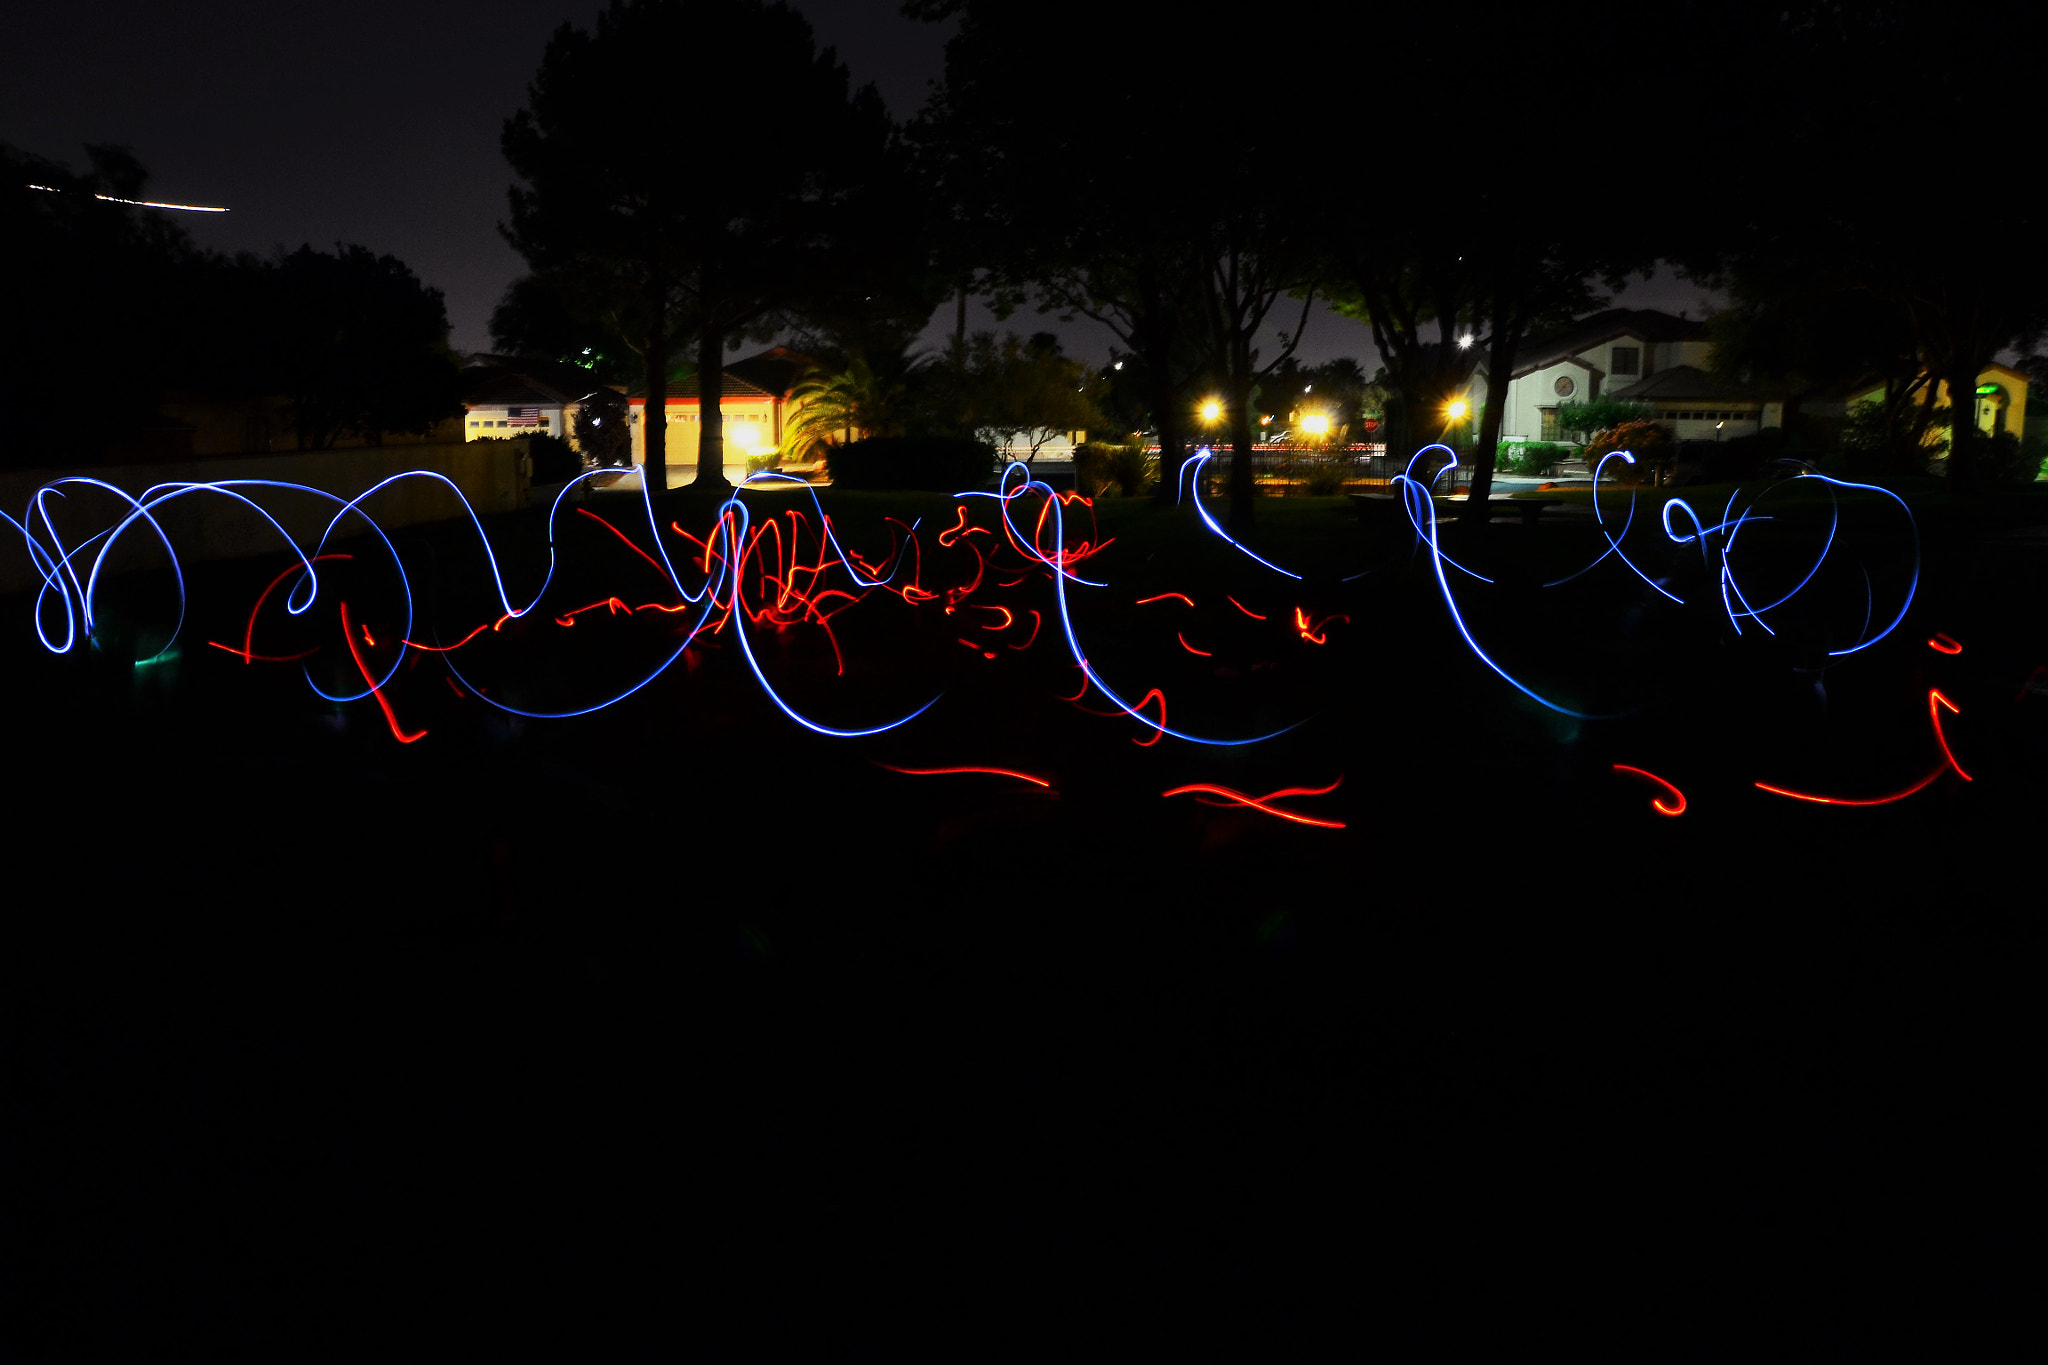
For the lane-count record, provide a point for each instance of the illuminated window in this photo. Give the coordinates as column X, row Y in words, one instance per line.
column 1628, row 360
column 1551, row 431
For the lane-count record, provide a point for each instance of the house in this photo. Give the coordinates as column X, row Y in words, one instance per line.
column 505, row 396
column 754, row 415
column 1640, row 355
column 1631, row 354
column 2001, row 401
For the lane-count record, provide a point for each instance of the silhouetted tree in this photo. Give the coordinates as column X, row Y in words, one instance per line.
column 359, row 346
column 1082, row 216
column 621, row 210
column 1916, row 214
column 89, row 325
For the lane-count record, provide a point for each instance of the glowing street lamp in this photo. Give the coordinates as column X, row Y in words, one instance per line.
column 1316, row 424
column 1457, row 410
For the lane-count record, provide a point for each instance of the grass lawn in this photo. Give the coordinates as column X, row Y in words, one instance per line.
column 678, row 1022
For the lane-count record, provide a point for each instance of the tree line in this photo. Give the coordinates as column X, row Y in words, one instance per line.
column 1460, row 182
column 110, row 304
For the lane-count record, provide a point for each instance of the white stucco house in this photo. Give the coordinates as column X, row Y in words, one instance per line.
column 1634, row 354
column 503, row 396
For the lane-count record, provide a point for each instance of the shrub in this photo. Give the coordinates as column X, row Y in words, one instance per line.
column 1602, row 414
column 1101, row 466
column 554, row 461
column 939, row 464
column 1530, row 457
column 2005, row 461
column 1326, row 477
column 1647, row 441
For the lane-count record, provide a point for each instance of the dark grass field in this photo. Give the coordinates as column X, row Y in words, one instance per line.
column 677, row 1028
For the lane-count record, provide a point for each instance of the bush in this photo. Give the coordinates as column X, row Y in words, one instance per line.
column 2005, row 461
column 938, row 464
column 1326, row 477
column 1102, row 466
column 553, row 459
column 1530, row 457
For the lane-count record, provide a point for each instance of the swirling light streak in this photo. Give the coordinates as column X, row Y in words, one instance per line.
column 1936, row 700
column 1202, row 457
column 1263, row 804
column 998, row 772
column 1414, row 490
column 1059, row 582
column 1657, row 802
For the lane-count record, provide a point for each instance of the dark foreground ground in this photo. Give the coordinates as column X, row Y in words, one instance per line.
column 680, row 1030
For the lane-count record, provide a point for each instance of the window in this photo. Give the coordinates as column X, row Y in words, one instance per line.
column 1550, row 430
column 1627, row 360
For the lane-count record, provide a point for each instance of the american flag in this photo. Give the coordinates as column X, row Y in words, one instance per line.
column 522, row 417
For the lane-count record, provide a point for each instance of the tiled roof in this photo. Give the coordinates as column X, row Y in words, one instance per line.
column 1644, row 324
column 498, row 388
column 685, row 390
column 775, row 370
column 1683, row 384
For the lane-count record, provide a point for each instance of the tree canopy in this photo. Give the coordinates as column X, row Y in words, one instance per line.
column 633, row 219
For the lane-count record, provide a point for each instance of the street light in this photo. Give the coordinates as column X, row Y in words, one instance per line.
column 1211, row 410
column 1457, row 409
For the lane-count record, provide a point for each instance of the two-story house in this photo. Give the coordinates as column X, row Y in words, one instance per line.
column 1633, row 354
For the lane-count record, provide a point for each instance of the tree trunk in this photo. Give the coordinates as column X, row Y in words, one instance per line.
column 1244, row 486
column 654, row 417
column 960, row 324
column 710, row 419
column 1422, row 401
column 1166, row 419
column 1962, row 428
column 1500, row 363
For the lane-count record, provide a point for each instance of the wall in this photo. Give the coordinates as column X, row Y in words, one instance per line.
column 228, row 425
column 749, row 423
column 203, row 526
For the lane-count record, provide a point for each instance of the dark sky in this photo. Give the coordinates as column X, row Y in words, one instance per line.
column 377, row 122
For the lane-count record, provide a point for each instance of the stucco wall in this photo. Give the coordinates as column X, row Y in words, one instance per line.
column 493, row 476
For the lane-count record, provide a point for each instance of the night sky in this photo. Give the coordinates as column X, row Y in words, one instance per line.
column 377, row 123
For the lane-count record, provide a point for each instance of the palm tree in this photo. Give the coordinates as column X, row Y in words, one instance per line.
column 839, row 404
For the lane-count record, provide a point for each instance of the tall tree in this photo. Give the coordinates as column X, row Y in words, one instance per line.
column 1906, row 100
column 1250, row 265
column 675, row 247
column 360, row 346
column 1084, row 217
column 91, row 320
column 1460, row 270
